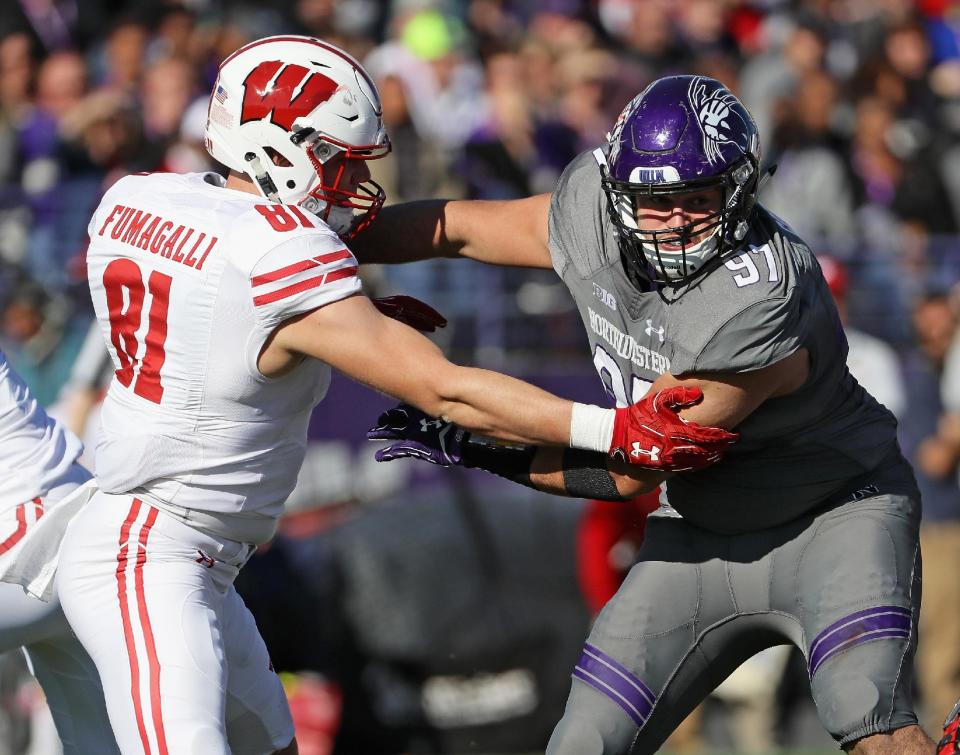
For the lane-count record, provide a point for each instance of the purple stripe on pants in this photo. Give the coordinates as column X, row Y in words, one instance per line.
column 880, row 622
column 602, row 672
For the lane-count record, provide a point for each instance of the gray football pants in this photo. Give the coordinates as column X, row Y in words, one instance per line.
column 842, row 584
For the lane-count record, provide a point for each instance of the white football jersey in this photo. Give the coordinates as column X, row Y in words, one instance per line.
column 36, row 451
column 188, row 280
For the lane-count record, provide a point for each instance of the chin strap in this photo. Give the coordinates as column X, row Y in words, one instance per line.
column 266, row 184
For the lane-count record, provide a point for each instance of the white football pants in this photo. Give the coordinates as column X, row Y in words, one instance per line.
column 57, row 659
column 183, row 667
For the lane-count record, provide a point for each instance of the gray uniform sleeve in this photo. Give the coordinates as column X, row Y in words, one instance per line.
column 760, row 335
column 578, row 233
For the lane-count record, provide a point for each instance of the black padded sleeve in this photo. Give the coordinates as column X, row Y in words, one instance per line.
column 510, row 462
column 585, row 475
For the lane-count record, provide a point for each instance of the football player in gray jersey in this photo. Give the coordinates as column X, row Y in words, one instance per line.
column 807, row 531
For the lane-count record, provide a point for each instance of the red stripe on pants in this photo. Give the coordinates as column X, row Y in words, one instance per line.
column 151, row 645
column 21, row 530
column 127, row 628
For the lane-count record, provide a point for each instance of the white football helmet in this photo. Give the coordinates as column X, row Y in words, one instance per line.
column 281, row 108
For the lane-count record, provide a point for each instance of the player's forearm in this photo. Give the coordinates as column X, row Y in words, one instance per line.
column 588, row 474
column 406, row 233
column 508, row 232
column 499, row 406
column 566, row 472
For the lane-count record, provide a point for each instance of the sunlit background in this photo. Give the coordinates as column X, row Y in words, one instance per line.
column 415, row 610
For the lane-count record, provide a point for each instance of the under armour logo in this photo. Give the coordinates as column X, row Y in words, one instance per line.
column 638, row 450
column 203, row 558
column 651, row 330
column 426, row 424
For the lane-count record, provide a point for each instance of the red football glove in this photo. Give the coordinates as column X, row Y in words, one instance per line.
column 651, row 434
column 949, row 743
column 411, row 311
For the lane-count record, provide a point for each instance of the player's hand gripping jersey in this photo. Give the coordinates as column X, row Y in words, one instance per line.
column 760, row 306
column 188, row 280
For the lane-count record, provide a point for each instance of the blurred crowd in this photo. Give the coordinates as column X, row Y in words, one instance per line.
column 858, row 103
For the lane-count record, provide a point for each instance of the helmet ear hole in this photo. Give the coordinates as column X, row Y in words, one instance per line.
column 291, row 184
column 276, row 158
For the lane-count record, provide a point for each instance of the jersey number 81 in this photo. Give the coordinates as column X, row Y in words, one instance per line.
column 123, row 276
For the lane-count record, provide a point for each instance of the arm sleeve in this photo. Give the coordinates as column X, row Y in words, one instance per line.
column 760, row 335
column 576, row 222
column 301, row 275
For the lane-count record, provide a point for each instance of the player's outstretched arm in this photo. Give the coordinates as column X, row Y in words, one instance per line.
column 351, row 335
column 509, row 232
column 573, row 472
column 561, row 471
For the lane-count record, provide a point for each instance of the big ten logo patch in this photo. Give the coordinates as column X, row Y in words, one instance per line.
column 605, row 296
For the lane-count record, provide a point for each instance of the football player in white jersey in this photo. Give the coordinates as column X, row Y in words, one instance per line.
column 224, row 305
column 38, row 473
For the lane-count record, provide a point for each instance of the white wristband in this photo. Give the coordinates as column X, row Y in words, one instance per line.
column 591, row 427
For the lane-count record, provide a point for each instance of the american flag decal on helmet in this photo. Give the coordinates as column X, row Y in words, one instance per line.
column 220, row 95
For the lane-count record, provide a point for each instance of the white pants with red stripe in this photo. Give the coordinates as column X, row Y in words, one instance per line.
column 183, row 667
column 65, row 672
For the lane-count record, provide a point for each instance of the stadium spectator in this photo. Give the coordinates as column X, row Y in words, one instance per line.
column 168, row 88
column 121, row 55
column 907, row 51
column 895, row 179
column 805, row 152
column 41, row 338
column 930, row 433
column 873, row 362
column 57, row 196
column 796, row 46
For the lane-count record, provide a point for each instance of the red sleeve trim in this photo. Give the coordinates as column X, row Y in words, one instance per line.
column 299, row 267
column 340, row 254
column 283, row 272
column 296, row 288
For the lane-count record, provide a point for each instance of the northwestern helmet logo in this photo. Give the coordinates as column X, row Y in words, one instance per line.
column 715, row 110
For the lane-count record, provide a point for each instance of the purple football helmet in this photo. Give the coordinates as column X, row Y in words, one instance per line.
column 682, row 134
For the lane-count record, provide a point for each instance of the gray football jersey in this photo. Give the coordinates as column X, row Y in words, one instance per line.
column 758, row 307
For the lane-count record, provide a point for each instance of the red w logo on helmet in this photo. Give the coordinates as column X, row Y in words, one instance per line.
column 288, row 97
